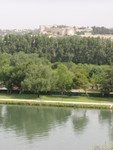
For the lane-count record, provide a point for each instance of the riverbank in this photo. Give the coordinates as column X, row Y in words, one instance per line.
column 57, row 98
column 76, row 101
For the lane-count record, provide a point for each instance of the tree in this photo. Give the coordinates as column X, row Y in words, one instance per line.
column 64, row 49
column 5, row 66
column 65, row 78
column 107, row 82
column 80, row 80
column 96, row 76
column 15, row 76
column 38, row 78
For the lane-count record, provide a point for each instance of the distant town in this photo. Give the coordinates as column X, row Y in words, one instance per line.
column 63, row 30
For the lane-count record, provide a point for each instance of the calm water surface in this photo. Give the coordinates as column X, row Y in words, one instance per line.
column 52, row 128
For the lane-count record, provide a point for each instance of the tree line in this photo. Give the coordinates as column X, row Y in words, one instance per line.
column 29, row 72
column 102, row 30
column 61, row 49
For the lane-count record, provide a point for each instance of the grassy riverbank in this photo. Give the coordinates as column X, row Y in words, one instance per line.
column 65, row 101
column 58, row 98
column 18, row 96
column 79, row 99
column 57, row 104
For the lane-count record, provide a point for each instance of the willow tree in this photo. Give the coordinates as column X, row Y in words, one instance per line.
column 38, row 78
column 65, row 78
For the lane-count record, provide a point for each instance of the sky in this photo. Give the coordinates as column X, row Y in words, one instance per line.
column 29, row 14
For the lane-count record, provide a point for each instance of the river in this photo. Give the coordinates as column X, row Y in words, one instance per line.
column 54, row 128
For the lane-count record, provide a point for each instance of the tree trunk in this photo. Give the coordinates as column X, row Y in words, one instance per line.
column 8, row 91
column 86, row 92
column 20, row 92
column 62, row 93
column 38, row 94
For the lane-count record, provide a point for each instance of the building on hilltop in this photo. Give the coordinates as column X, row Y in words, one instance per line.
column 57, row 30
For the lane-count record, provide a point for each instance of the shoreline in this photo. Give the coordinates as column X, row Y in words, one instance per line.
column 41, row 102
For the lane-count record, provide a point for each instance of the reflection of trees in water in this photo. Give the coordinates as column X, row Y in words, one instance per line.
column 106, row 117
column 80, row 120
column 33, row 120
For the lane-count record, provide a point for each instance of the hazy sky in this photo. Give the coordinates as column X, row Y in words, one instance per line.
column 32, row 13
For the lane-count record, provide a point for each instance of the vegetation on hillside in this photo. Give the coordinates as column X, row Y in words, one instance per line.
column 40, row 63
column 63, row 49
column 28, row 72
column 102, row 30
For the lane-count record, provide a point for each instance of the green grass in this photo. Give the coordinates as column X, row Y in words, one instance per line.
column 18, row 96
column 78, row 99
column 58, row 98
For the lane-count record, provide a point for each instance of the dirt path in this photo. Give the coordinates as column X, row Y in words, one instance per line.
column 58, row 102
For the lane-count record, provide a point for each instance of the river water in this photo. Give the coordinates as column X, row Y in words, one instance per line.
column 53, row 128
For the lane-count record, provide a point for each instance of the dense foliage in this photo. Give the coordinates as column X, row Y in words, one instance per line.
column 28, row 72
column 63, row 49
column 102, row 30
column 40, row 63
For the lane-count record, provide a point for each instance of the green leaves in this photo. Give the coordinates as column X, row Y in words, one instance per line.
column 80, row 81
column 28, row 72
column 62, row 49
column 107, row 82
column 37, row 78
column 65, row 78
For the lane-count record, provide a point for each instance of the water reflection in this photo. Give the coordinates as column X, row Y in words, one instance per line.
column 79, row 120
column 106, row 117
column 32, row 121
column 37, row 127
